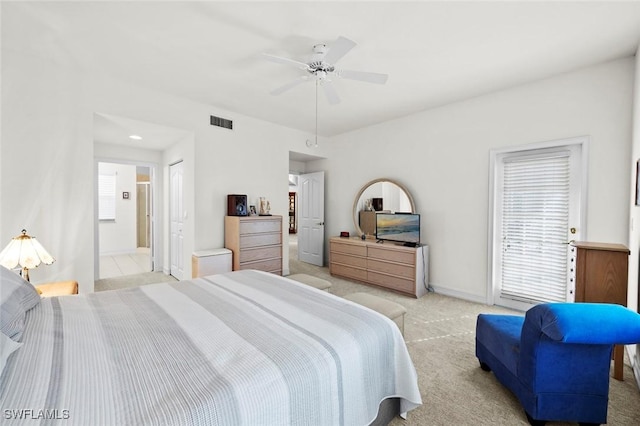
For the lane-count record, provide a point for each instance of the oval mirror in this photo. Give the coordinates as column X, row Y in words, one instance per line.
column 379, row 195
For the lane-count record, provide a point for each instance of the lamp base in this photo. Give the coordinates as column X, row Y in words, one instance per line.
column 24, row 273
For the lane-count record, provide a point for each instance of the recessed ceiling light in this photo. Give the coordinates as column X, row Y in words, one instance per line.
column 135, row 137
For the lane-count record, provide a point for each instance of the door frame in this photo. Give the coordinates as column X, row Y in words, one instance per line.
column 153, row 168
column 583, row 142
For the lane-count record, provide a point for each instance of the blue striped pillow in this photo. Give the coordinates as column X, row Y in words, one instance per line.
column 17, row 296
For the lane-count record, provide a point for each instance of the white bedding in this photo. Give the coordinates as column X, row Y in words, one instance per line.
column 241, row 348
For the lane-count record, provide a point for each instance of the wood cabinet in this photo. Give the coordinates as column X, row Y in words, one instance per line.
column 394, row 267
column 601, row 275
column 293, row 228
column 255, row 241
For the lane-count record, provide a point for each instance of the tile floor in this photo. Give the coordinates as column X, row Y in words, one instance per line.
column 125, row 264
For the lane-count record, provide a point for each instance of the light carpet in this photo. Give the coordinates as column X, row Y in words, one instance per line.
column 125, row 281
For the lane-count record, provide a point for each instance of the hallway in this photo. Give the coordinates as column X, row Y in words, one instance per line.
column 125, row 264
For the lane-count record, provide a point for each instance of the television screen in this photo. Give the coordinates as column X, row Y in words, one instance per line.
column 401, row 227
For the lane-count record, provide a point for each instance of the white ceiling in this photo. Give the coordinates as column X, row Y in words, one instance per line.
column 112, row 129
column 434, row 52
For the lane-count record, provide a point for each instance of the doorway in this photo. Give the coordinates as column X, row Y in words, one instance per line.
column 538, row 200
column 125, row 218
column 307, row 212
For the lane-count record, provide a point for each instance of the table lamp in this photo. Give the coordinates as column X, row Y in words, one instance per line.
column 26, row 251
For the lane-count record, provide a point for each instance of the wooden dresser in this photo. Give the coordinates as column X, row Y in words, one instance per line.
column 256, row 242
column 601, row 275
column 394, row 267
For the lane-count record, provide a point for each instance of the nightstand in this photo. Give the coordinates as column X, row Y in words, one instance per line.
column 59, row 288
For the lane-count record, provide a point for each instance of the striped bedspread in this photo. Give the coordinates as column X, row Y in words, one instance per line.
column 243, row 348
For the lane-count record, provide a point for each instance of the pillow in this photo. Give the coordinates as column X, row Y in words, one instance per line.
column 17, row 296
column 7, row 347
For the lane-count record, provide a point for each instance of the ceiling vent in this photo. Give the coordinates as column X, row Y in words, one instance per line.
column 221, row 122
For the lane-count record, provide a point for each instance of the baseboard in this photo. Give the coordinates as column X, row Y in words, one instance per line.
column 459, row 294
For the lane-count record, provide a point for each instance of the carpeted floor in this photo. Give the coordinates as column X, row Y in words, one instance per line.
column 440, row 333
column 136, row 280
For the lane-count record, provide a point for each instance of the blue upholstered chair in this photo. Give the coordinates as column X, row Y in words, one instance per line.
column 556, row 358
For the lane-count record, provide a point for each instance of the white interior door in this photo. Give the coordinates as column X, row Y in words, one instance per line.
column 176, row 248
column 537, row 209
column 311, row 218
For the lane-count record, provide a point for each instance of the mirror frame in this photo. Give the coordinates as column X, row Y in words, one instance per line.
column 366, row 186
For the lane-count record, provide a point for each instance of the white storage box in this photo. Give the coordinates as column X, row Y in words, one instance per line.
column 210, row 262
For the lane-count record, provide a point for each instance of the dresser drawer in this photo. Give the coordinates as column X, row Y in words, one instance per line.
column 258, row 240
column 408, row 257
column 356, row 249
column 404, row 271
column 349, row 272
column 254, row 254
column 269, row 265
column 259, row 226
column 345, row 259
column 394, row 283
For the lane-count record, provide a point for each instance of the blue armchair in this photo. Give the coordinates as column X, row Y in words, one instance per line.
column 556, row 358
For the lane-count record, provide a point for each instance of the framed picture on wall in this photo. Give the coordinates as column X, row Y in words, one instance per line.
column 638, row 183
column 125, row 195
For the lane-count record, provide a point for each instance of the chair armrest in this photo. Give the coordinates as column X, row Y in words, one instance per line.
column 586, row 323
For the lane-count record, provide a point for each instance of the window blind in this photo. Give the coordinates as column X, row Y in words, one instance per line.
column 535, row 219
column 107, row 197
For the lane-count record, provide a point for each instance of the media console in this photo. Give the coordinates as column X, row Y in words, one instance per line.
column 394, row 267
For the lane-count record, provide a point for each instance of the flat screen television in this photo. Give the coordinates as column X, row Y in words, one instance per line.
column 399, row 227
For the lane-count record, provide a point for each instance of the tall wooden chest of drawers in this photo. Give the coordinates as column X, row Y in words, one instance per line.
column 256, row 242
column 601, row 275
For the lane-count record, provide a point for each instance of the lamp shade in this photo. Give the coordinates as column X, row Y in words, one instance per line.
column 26, row 251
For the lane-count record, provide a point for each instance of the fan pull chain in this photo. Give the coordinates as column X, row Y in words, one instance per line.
column 317, row 83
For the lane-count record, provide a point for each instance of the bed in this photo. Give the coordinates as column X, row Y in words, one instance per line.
column 244, row 347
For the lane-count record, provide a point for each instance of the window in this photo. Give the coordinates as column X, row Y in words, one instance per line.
column 107, row 197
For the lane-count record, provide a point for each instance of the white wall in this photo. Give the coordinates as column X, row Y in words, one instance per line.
column 47, row 120
column 634, row 214
column 119, row 236
column 442, row 157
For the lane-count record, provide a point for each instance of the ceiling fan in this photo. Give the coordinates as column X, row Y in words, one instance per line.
column 321, row 68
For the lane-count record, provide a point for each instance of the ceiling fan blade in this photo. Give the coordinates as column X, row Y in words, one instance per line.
column 289, row 85
column 330, row 92
column 286, row 61
column 369, row 77
column 338, row 49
